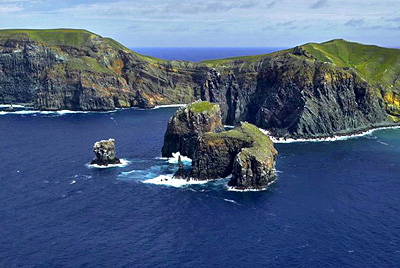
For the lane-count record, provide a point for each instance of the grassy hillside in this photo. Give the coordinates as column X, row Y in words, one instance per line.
column 375, row 64
column 379, row 66
column 56, row 37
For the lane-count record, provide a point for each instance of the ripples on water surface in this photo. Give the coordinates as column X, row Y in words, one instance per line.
column 335, row 204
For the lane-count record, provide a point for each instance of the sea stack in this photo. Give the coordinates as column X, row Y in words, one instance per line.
column 181, row 173
column 187, row 124
column 105, row 153
column 243, row 152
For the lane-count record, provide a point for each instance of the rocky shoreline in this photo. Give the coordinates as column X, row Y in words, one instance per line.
column 296, row 93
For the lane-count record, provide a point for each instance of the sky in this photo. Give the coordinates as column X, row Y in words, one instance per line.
column 214, row 23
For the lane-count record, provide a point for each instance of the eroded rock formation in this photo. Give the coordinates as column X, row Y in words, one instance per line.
column 245, row 152
column 105, row 153
column 187, row 124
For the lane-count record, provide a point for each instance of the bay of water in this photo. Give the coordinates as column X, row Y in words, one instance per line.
column 334, row 204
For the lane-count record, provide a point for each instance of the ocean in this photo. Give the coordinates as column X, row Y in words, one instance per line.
column 334, row 204
column 197, row 54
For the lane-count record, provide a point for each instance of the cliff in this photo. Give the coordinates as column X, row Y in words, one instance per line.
column 314, row 90
column 79, row 70
column 245, row 152
column 187, row 124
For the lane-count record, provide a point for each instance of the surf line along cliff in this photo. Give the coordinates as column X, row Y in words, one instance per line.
column 244, row 152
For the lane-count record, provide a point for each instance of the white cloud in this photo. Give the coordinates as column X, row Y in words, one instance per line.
column 10, row 8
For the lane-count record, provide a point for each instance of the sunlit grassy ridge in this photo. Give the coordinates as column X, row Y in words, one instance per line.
column 377, row 65
column 260, row 144
column 203, row 106
column 54, row 37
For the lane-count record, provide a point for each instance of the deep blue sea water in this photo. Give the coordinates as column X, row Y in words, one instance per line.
column 335, row 204
column 197, row 54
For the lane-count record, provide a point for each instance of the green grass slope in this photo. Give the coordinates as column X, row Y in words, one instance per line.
column 377, row 65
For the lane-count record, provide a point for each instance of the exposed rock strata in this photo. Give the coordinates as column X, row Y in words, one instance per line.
column 314, row 90
column 105, row 153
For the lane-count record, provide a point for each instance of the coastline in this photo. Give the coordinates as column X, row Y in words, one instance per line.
column 27, row 110
column 328, row 139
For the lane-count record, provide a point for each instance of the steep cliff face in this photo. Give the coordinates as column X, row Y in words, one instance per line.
column 187, row 124
column 245, row 152
column 315, row 90
column 79, row 70
column 297, row 97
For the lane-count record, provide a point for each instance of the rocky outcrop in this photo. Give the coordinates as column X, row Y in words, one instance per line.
column 310, row 91
column 105, row 153
column 187, row 124
column 181, row 174
column 245, row 152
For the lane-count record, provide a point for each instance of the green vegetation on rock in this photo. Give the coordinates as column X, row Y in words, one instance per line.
column 377, row 65
column 261, row 145
column 203, row 107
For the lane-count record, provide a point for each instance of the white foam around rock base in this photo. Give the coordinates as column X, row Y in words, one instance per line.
column 168, row 180
column 14, row 106
column 233, row 189
column 60, row 112
column 123, row 163
column 169, row 106
column 175, row 158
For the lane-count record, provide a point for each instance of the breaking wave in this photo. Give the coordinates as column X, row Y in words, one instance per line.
column 123, row 163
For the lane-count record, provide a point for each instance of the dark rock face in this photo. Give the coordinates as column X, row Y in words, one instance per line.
column 291, row 93
column 296, row 98
column 214, row 157
column 187, row 125
column 245, row 152
column 91, row 73
column 250, row 172
column 105, row 153
column 181, row 174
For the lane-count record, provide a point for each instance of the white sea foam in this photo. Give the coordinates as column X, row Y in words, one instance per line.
column 60, row 112
column 169, row 106
column 123, row 163
column 168, row 180
column 334, row 138
column 175, row 158
column 233, row 189
column 9, row 106
column 231, row 201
